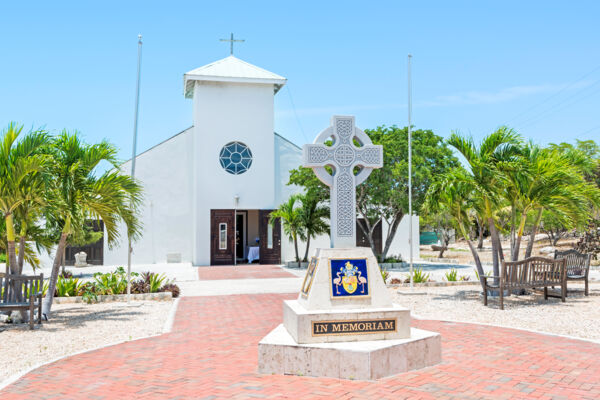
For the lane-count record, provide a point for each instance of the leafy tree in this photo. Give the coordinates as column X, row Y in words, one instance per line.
column 313, row 216
column 454, row 193
column 486, row 163
column 19, row 161
column 79, row 195
column 289, row 213
column 384, row 195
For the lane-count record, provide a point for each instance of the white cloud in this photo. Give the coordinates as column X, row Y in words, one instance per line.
column 458, row 99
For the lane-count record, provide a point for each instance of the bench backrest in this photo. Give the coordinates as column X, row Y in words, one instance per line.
column 532, row 270
column 18, row 288
column 577, row 263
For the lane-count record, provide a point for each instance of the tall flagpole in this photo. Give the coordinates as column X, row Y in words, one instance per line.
column 410, row 220
column 135, row 129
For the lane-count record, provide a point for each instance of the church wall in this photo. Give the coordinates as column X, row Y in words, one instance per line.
column 166, row 176
column 226, row 112
column 400, row 244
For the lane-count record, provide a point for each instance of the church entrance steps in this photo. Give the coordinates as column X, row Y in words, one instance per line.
column 243, row 272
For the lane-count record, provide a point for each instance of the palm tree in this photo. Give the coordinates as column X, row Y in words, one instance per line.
column 19, row 160
column 484, row 161
column 79, row 195
column 289, row 214
column 313, row 218
column 455, row 194
column 549, row 181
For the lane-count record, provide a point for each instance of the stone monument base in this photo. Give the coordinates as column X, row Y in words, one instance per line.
column 279, row 353
column 345, row 325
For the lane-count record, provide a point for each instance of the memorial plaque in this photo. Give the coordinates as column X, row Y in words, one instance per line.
column 349, row 277
column 309, row 277
column 322, row 328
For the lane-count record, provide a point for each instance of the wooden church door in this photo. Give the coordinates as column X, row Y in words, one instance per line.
column 221, row 237
column 270, row 238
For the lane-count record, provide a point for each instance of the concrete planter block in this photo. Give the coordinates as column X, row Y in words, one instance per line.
column 116, row 297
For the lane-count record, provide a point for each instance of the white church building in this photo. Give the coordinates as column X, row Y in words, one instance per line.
column 209, row 190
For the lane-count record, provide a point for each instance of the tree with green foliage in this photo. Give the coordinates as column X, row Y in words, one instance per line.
column 20, row 160
column 80, row 195
column 486, row 163
column 384, row 195
column 291, row 222
column 313, row 219
column 454, row 193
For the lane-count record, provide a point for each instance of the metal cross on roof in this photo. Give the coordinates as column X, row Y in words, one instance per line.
column 231, row 40
column 343, row 155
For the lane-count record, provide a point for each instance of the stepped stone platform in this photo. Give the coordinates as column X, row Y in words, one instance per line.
column 279, row 353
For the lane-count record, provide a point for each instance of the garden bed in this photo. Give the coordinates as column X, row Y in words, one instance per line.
column 115, row 297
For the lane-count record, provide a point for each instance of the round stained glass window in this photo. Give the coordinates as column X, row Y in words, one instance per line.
column 235, row 158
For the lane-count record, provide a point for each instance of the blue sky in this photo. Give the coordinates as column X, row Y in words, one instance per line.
column 533, row 65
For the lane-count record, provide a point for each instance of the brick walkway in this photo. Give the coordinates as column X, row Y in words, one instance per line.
column 212, row 353
column 243, row 272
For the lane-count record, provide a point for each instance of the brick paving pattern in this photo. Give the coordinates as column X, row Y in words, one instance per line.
column 212, row 354
column 243, row 272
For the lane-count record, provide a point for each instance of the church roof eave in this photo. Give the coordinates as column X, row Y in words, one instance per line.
column 231, row 69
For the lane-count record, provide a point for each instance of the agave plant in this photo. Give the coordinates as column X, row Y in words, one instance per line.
column 67, row 287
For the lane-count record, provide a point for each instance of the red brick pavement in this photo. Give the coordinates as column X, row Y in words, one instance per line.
column 243, row 272
column 212, row 353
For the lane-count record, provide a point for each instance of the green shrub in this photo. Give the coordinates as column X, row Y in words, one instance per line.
column 171, row 287
column 452, row 275
column 418, row 276
column 67, row 287
column 385, row 275
column 112, row 282
column 2, row 257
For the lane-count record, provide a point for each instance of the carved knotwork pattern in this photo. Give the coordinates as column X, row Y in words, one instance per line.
column 344, row 155
column 370, row 156
column 318, row 155
column 344, row 129
column 345, row 205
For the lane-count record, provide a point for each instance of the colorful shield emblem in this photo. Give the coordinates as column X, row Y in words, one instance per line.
column 350, row 283
column 349, row 277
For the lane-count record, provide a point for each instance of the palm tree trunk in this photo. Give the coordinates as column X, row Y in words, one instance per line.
column 47, row 305
column 10, row 238
column 475, row 254
column 513, row 219
column 480, row 232
column 307, row 247
column 21, row 253
column 517, row 249
column 536, row 223
column 296, row 249
column 495, row 244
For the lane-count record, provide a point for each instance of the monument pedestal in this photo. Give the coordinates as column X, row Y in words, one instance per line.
column 344, row 324
column 279, row 353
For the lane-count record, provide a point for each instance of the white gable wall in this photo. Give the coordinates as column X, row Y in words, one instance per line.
column 223, row 113
column 166, row 176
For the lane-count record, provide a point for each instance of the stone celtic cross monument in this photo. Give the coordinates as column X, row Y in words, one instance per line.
column 344, row 323
column 343, row 156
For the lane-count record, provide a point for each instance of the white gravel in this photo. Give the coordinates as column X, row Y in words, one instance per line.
column 578, row 317
column 75, row 328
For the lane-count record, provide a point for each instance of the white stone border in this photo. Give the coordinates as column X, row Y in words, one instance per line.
column 166, row 329
column 116, row 297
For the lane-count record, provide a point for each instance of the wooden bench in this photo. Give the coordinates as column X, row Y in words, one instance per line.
column 22, row 292
column 578, row 266
column 531, row 273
